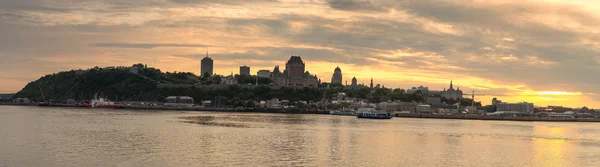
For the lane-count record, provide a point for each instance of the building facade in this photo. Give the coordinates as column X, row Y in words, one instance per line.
column 206, row 66
column 523, row 107
column 294, row 74
column 245, row 70
column 337, row 76
column 452, row 93
column 263, row 73
column 179, row 101
column 398, row 106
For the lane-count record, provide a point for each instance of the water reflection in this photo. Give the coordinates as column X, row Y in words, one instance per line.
column 550, row 152
column 65, row 137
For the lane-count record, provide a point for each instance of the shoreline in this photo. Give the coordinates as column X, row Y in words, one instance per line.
column 305, row 111
column 497, row 118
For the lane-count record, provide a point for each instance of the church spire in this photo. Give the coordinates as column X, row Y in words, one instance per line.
column 450, row 84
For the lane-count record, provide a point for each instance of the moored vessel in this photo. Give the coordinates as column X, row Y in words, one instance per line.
column 371, row 113
column 101, row 103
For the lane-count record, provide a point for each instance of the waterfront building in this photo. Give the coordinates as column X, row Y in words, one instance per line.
column 337, row 76
column 523, row 107
column 179, row 101
column 245, row 70
column 410, row 107
column 294, row 74
column 452, row 93
column 273, row 103
column 263, row 73
column 206, row 66
column 423, row 108
column 207, row 103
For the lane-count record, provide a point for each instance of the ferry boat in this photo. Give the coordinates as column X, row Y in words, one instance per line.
column 371, row 113
column 101, row 103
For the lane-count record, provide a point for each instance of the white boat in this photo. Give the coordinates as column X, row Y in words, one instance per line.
column 371, row 113
column 101, row 103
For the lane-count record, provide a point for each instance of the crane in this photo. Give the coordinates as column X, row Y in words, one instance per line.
column 42, row 92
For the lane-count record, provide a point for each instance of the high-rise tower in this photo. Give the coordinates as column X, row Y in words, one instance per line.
column 206, row 67
column 245, row 70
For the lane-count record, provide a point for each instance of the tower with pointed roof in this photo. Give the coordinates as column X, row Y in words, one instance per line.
column 452, row 93
column 337, row 76
column 371, row 83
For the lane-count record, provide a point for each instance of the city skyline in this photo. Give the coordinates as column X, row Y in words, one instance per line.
column 548, row 56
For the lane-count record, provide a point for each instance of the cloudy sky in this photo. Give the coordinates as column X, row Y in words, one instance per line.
column 541, row 51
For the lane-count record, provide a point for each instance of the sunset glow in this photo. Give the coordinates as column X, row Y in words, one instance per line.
column 546, row 54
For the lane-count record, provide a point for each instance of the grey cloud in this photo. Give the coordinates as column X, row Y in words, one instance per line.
column 69, row 6
column 353, row 5
column 283, row 53
column 227, row 2
column 145, row 45
column 361, row 38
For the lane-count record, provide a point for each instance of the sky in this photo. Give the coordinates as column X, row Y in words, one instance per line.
column 540, row 51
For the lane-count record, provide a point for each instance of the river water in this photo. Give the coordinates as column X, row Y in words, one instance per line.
column 36, row 136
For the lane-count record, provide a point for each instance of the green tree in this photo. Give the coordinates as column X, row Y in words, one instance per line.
column 250, row 103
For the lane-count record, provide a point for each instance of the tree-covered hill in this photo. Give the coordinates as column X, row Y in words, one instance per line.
column 82, row 85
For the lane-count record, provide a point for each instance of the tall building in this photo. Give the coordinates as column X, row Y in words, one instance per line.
column 206, row 66
column 354, row 82
column 371, row 83
column 295, row 67
column 263, row 73
column 337, row 76
column 245, row 70
column 452, row 93
column 294, row 74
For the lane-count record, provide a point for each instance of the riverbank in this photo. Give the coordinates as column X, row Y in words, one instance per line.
column 225, row 109
column 194, row 108
column 307, row 111
column 498, row 118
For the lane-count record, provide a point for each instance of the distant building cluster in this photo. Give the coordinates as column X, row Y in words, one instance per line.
column 295, row 74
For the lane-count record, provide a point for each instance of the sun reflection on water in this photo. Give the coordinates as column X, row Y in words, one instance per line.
column 551, row 151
